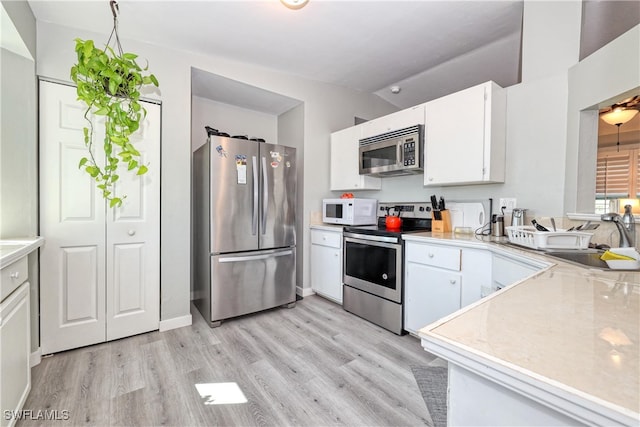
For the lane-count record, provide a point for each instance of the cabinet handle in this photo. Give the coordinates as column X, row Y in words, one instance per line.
column 131, row 232
column 452, row 281
column 430, row 255
column 430, row 178
column 15, row 275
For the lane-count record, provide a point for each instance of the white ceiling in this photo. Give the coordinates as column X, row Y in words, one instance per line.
column 429, row 48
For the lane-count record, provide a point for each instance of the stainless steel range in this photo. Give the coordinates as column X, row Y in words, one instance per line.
column 373, row 259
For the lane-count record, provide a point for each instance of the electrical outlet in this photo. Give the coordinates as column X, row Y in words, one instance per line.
column 508, row 203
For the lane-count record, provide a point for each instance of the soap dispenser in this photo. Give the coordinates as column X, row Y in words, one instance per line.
column 629, row 223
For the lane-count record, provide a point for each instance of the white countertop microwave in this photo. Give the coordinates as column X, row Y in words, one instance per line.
column 350, row 211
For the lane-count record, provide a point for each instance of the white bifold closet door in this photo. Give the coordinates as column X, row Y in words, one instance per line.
column 100, row 266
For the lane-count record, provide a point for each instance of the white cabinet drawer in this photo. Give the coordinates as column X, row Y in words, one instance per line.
column 326, row 238
column 437, row 256
column 12, row 276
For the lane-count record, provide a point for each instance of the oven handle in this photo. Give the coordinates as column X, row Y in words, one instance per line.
column 371, row 240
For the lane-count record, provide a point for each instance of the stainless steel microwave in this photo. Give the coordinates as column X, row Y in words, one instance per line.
column 393, row 153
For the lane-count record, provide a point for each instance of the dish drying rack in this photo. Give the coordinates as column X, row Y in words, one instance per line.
column 528, row 236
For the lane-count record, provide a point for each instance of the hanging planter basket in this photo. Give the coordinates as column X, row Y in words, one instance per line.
column 109, row 81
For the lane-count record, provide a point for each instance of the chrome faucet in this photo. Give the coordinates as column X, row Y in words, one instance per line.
column 627, row 240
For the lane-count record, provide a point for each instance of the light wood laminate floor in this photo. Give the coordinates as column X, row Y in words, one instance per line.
column 312, row 365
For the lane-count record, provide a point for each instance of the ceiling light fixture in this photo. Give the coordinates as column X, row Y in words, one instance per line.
column 294, row 4
column 618, row 116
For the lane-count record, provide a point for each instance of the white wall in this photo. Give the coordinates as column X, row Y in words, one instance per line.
column 230, row 119
column 536, row 120
column 326, row 109
column 606, row 74
column 18, row 145
column 291, row 133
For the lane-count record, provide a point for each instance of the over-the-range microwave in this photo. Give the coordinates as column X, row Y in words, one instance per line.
column 350, row 211
column 393, row 153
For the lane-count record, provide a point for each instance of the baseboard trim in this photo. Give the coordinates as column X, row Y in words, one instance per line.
column 35, row 358
column 175, row 323
column 304, row 292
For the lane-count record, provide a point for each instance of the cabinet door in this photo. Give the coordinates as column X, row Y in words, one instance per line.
column 326, row 272
column 455, row 138
column 476, row 272
column 345, row 173
column 399, row 120
column 430, row 294
column 15, row 346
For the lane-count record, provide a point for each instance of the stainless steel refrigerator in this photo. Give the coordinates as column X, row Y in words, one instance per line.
column 244, row 219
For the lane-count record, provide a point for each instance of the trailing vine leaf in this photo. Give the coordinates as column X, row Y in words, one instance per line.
column 109, row 84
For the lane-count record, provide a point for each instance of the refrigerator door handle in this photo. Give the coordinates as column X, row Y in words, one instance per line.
column 255, row 257
column 265, row 195
column 256, row 190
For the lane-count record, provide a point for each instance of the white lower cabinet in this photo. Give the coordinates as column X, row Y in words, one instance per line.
column 430, row 293
column 433, row 283
column 442, row 278
column 15, row 348
column 326, row 263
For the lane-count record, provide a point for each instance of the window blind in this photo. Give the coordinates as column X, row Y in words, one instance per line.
column 613, row 175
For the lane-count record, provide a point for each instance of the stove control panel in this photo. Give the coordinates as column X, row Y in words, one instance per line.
column 407, row 210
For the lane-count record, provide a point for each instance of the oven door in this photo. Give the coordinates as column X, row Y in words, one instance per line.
column 373, row 264
column 379, row 157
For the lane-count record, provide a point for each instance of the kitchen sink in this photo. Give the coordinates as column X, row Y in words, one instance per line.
column 587, row 257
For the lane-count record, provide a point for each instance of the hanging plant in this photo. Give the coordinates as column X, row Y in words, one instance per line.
column 109, row 83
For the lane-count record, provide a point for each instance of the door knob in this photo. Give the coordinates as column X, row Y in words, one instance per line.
column 131, row 232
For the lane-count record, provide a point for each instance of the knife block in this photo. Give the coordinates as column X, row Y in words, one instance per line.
column 442, row 225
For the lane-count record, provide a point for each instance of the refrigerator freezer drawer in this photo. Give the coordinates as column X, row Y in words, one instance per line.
column 248, row 282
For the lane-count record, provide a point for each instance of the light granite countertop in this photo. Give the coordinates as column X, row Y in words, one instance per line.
column 327, row 227
column 570, row 330
column 13, row 249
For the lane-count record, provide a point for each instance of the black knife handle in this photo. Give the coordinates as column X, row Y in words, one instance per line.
column 538, row 226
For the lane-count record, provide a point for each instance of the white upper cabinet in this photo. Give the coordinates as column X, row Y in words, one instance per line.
column 345, row 175
column 394, row 121
column 465, row 136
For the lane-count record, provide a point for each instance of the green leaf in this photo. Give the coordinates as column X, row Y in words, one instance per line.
column 115, row 201
column 131, row 56
column 142, row 170
column 82, row 162
column 114, row 178
column 87, row 47
column 132, row 164
column 92, row 170
column 154, row 80
column 102, row 111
